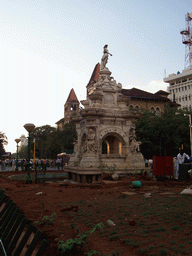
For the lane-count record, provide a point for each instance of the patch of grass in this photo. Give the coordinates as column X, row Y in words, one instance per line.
column 181, row 245
column 112, row 238
column 163, row 252
column 141, row 251
column 113, row 233
column 127, row 234
column 161, row 229
column 146, row 231
column 151, row 247
column 92, row 252
column 175, row 227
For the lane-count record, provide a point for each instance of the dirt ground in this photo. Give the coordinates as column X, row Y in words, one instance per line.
column 37, row 200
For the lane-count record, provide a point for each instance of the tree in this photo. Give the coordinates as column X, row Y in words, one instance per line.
column 51, row 141
column 3, row 141
column 43, row 140
column 163, row 134
column 69, row 135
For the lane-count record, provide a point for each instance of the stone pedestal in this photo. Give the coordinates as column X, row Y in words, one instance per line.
column 89, row 161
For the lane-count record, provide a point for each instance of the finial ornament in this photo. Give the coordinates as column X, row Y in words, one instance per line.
column 105, row 57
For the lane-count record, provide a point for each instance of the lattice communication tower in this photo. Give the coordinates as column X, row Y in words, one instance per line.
column 187, row 40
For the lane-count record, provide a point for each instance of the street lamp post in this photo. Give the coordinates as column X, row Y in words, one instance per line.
column 17, row 141
column 190, row 131
column 29, row 128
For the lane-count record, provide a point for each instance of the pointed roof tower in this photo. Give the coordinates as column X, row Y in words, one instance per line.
column 71, row 107
column 72, row 97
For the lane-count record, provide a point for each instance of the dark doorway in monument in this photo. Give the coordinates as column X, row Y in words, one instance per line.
column 104, row 147
column 113, row 144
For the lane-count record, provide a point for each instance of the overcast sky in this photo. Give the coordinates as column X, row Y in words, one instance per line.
column 48, row 47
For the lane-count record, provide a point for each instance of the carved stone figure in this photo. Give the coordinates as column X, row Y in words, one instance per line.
column 105, row 57
column 90, row 143
column 132, row 141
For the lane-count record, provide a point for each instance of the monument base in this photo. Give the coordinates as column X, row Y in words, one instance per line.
column 89, row 161
column 91, row 175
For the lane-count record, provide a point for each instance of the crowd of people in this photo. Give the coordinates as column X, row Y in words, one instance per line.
column 39, row 164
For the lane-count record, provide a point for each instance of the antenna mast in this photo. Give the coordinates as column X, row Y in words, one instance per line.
column 187, row 40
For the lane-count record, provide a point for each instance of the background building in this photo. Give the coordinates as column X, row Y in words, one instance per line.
column 180, row 88
column 154, row 102
column 23, row 142
column 180, row 84
column 71, row 108
column 139, row 99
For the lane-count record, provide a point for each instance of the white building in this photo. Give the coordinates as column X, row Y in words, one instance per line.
column 24, row 141
column 180, row 88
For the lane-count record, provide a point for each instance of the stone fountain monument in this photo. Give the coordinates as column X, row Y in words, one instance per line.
column 105, row 131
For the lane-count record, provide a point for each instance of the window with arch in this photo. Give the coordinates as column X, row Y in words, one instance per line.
column 158, row 110
column 152, row 109
column 136, row 107
column 131, row 107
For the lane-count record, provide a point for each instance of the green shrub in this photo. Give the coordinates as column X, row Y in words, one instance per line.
column 71, row 246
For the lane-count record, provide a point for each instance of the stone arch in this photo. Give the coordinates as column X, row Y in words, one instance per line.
column 112, row 143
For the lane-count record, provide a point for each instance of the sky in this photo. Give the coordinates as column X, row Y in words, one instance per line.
column 48, row 47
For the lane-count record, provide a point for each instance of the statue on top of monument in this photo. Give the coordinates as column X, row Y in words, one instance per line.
column 105, row 57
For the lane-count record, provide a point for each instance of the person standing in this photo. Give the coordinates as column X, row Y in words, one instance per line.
column 181, row 158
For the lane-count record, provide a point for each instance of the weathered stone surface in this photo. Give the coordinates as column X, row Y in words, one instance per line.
column 106, row 129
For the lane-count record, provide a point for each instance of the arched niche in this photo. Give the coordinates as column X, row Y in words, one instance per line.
column 112, row 144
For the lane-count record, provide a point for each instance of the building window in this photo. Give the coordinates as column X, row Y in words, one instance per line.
column 179, row 99
column 189, row 97
column 179, row 89
column 158, row 110
column 185, row 88
column 186, row 97
column 137, row 107
column 131, row 107
column 152, row 110
column 189, row 86
column 182, row 89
